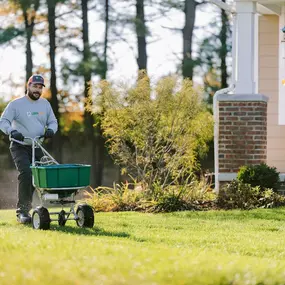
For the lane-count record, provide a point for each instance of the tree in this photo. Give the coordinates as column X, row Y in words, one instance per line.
column 141, row 32
column 51, row 4
column 87, row 74
column 29, row 10
column 187, row 62
column 189, row 8
column 156, row 140
column 93, row 61
column 213, row 56
column 100, row 141
column 223, row 37
column 106, row 40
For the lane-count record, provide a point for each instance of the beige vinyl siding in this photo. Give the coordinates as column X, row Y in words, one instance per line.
column 269, row 85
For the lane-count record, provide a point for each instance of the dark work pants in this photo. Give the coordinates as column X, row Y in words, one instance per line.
column 22, row 156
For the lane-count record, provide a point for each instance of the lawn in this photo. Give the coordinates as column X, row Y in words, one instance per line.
column 215, row 247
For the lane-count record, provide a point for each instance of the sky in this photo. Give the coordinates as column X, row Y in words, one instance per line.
column 164, row 51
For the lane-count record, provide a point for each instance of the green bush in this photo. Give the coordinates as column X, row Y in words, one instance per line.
column 155, row 133
column 181, row 197
column 259, row 175
column 118, row 198
column 197, row 195
column 239, row 195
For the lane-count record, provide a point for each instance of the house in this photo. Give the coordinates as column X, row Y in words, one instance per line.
column 250, row 115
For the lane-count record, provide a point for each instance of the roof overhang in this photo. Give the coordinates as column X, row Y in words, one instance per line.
column 267, row 7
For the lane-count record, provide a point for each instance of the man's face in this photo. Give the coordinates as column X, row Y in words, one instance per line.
column 35, row 91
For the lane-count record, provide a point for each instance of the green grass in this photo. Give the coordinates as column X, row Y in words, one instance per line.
column 215, row 247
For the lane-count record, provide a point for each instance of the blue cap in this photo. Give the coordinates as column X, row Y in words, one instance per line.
column 36, row 79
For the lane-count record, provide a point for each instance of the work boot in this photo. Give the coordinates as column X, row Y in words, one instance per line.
column 24, row 218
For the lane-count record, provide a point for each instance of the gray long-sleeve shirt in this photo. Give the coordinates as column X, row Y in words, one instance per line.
column 28, row 117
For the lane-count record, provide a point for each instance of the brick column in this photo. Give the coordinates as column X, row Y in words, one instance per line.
column 242, row 133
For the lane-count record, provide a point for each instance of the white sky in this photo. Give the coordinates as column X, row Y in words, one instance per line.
column 164, row 53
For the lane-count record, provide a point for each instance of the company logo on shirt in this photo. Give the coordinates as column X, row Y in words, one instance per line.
column 29, row 114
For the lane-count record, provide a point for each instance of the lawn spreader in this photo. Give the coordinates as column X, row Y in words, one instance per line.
column 58, row 184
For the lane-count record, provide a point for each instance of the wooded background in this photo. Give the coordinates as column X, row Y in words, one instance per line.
column 63, row 26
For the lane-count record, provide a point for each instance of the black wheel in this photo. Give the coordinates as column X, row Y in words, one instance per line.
column 85, row 216
column 41, row 219
column 61, row 218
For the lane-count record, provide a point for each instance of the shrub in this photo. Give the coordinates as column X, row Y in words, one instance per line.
column 118, row 198
column 259, row 175
column 239, row 195
column 270, row 199
column 155, row 134
column 196, row 195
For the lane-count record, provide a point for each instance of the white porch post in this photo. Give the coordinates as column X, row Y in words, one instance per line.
column 246, row 48
column 281, row 103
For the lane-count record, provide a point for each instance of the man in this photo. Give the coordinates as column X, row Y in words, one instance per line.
column 28, row 116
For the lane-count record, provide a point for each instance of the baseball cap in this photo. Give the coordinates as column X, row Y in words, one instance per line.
column 36, row 79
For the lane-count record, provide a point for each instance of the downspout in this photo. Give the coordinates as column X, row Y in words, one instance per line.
column 215, row 105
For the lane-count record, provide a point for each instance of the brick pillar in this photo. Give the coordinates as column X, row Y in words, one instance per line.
column 242, row 132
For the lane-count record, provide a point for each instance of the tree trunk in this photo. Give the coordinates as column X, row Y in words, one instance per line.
column 100, row 142
column 106, row 39
column 223, row 50
column 29, row 12
column 57, row 147
column 88, row 117
column 141, row 35
column 187, row 62
column 29, row 54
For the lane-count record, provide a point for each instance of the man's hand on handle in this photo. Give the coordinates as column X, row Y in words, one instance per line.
column 17, row 135
column 49, row 133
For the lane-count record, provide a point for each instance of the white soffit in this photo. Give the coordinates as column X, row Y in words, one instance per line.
column 267, row 8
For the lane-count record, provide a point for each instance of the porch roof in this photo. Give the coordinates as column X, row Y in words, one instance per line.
column 267, row 7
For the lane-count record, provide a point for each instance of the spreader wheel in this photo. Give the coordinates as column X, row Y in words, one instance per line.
column 61, row 218
column 41, row 219
column 85, row 216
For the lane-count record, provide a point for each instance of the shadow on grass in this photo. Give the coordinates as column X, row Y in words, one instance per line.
column 95, row 231
column 277, row 214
